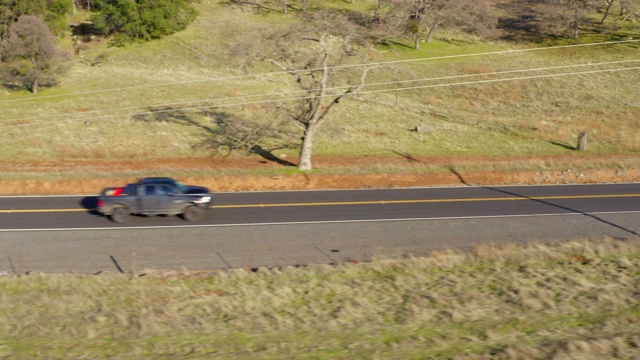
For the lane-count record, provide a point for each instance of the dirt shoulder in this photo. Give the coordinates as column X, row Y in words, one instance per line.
column 243, row 173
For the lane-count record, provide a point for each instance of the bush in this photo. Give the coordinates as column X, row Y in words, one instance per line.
column 131, row 20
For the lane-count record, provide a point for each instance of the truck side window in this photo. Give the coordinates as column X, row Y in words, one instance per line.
column 150, row 190
column 129, row 190
column 166, row 190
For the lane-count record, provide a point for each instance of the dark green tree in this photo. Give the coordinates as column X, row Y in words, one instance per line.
column 135, row 20
column 32, row 57
column 52, row 11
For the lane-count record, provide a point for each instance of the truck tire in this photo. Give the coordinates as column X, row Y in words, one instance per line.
column 193, row 213
column 120, row 214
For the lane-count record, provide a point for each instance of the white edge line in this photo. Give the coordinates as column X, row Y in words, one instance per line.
column 317, row 222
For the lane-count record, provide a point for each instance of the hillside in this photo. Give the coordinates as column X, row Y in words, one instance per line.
column 494, row 100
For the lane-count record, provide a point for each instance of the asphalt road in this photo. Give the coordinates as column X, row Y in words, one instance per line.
column 269, row 229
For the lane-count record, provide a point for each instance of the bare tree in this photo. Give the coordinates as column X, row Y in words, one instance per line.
column 415, row 17
column 418, row 17
column 325, row 57
column 566, row 17
column 32, row 57
column 623, row 7
column 270, row 5
column 629, row 9
column 608, row 4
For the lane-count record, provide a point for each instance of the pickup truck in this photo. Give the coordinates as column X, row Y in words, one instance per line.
column 154, row 196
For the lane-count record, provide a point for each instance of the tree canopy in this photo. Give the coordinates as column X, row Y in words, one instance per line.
column 52, row 11
column 32, row 57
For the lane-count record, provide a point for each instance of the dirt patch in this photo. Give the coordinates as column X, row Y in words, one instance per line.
column 359, row 173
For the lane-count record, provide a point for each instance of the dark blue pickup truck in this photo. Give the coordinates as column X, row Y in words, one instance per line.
column 155, row 196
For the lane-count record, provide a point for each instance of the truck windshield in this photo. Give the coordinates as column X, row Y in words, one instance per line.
column 182, row 187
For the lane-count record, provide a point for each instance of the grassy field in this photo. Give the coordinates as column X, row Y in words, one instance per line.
column 577, row 300
column 91, row 115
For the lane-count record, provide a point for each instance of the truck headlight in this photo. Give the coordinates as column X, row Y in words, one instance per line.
column 204, row 200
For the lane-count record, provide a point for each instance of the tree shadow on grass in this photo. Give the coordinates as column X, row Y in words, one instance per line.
column 545, row 202
column 13, row 87
column 408, row 156
column 268, row 155
column 227, row 133
column 458, row 175
column 180, row 117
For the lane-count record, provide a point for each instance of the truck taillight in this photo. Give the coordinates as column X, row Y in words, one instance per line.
column 100, row 203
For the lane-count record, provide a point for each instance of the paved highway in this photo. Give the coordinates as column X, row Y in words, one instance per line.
column 254, row 229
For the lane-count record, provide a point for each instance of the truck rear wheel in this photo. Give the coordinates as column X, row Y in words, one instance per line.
column 193, row 213
column 120, row 214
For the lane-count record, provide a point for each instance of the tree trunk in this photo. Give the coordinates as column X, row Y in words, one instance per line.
column 416, row 41
column 34, row 88
column 576, row 23
column 430, row 36
column 307, row 148
column 606, row 11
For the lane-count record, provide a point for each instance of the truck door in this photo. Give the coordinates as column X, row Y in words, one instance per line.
column 167, row 202
column 149, row 199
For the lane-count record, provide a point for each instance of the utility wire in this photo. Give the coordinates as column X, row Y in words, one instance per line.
column 83, row 114
column 120, row 89
column 329, row 95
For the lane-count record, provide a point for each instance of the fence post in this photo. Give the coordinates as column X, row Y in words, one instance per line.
column 134, row 266
column 582, row 141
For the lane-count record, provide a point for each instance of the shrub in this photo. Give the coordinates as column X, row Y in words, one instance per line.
column 131, row 20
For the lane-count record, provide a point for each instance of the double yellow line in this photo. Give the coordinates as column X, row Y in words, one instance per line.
column 369, row 202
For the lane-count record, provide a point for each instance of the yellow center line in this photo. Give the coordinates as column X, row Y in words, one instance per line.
column 9, row 211
column 369, row 202
column 419, row 201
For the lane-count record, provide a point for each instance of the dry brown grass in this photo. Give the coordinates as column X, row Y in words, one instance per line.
column 565, row 301
column 525, row 117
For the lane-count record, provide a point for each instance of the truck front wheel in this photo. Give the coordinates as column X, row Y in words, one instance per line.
column 193, row 213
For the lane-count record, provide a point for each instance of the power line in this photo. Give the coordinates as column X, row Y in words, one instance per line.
column 328, row 95
column 333, row 88
column 316, row 69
